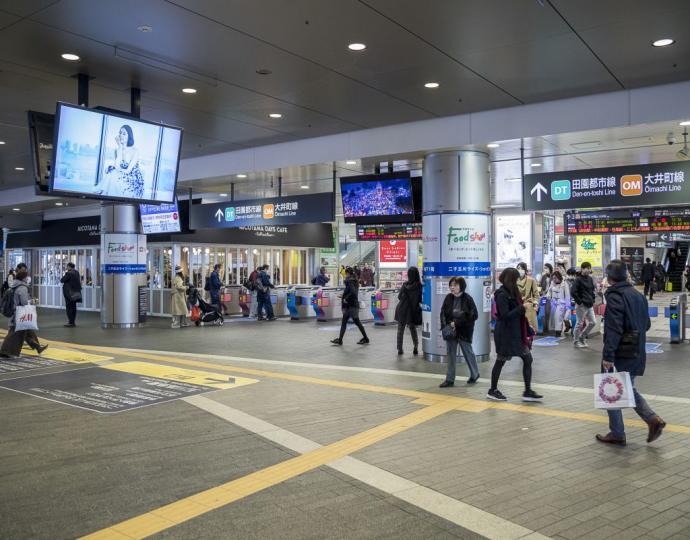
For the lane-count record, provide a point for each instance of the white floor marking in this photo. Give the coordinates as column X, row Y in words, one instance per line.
column 381, row 371
column 462, row 514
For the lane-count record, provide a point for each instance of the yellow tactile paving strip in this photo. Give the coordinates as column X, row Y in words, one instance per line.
column 196, row 505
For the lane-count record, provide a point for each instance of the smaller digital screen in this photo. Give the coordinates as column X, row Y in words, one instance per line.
column 628, row 221
column 404, row 231
column 157, row 219
column 382, row 198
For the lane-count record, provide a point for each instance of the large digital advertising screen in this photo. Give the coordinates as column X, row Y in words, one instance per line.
column 513, row 240
column 383, row 198
column 106, row 156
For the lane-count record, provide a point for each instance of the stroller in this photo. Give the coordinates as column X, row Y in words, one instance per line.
column 203, row 313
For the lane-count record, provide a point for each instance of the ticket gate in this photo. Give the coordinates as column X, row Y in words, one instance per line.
column 299, row 302
column 279, row 300
column 383, row 304
column 230, row 300
column 247, row 302
column 678, row 318
column 365, row 298
column 326, row 303
column 542, row 323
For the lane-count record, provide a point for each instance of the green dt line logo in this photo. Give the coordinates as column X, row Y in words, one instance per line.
column 560, row 190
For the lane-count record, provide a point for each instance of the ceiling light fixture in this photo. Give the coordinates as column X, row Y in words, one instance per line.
column 241, row 176
column 504, row 205
column 684, row 123
column 15, row 209
column 664, row 42
column 350, row 162
column 493, row 145
column 19, row 168
column 3, row 142
column 146, row 28
column 535, row 165
column 263, row 71
column 189, row 90
column 431, row 85
column 357, row 47
column 513, row 179
column 223, row 194
column 275, row 115
column 71, row 57
column 304, row 186
column 58, row 204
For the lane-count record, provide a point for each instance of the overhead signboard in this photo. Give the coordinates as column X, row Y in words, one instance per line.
column 390, row 231
column 316, row 208
column 632, row 185
column 653, row 244
column 643, row 221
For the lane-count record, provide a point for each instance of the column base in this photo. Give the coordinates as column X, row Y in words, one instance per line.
column 122, row 325
column 441, row 358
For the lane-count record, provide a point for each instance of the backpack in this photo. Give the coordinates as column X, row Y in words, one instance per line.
column 207, row 283
column 7, row 307
column 313, row 281
column 248, row 284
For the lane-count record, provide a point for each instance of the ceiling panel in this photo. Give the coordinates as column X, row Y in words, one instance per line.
column 23, row 8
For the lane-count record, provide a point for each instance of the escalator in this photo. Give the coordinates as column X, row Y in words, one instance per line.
column 676, row 265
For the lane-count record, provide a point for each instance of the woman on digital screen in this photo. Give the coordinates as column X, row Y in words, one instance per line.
column 123, row 176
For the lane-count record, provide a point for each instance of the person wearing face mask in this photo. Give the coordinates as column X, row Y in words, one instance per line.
column 545, row 278
column 583, row 295
column 559, row 297
column 527, row 286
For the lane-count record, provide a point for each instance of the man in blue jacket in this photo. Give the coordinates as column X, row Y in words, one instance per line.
column 214, row 287
column 625, row 336
column 263, row 294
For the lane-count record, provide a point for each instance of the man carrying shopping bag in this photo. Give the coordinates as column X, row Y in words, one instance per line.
column 625, row 336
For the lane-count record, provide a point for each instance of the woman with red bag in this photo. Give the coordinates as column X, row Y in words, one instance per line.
column 512, row 336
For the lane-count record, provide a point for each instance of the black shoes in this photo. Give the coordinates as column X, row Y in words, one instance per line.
column 495, row 395
column 70, row 325
column 41, row 348
column 531, row 395
column 272, row 319
column 337, row 341
column 656, row 426
column 363, row 341
column 609, row 438
column 400, row 352
column 473, row 380
column 446, row 384
column 415, row 351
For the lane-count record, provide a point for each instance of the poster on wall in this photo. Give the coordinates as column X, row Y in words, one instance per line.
column 549, row 239
column 589, row 247
column 513, row 234
column 123, row 253
column 633, row 258
column 393, row 253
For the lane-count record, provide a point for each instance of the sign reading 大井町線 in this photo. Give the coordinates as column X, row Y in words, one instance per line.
column 631, row 185
column 315, row 208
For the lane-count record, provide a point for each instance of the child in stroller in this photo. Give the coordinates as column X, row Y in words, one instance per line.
column 203, row 313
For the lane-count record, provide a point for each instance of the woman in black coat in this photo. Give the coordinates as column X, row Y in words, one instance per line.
column 351, row 307
column 409, row 311
column 511, row 335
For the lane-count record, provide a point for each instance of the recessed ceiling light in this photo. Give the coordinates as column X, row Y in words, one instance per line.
column 431, row 85
column 304, row 186
column 189, row 90
column 356, row 46
column 263, row 71
column 3, row 142
column 492, row 145
column 71, row 57
column 350, row 162
column 685, row 123
column 275, row 115
column 241, row 176
column 19, row 168
column 665, row 42
column 535, row 165
column 223, row 194
column 58, row 204
column 146, row 28
column 15, row 209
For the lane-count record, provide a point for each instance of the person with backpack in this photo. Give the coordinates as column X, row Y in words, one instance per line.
column 582, row 292
column 71, row 290
column 408, row 312
column 8, row 282
column 214, row 285
column 18, row 295
column 321, row 279
column 350, row 305
column 512, row 336
column 263, row 294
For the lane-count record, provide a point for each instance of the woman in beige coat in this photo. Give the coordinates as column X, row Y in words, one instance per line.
column 179, row 300
column 530, row 294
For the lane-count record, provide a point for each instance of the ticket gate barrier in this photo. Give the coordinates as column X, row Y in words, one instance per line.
column 678, row 318
column 326, row 303
column 365, row 299
column 383, row 304
column 279, row 300
column 542, row 323
column 299, row 302
column 248, row 303
column 230, row 300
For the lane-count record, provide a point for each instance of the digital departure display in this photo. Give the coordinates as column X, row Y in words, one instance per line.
column 628, row 221
column 404, row 231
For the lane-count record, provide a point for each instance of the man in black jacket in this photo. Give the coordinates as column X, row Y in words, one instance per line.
column 627, row 315
column 71, row 290
column 647, row 277
column 582, row 292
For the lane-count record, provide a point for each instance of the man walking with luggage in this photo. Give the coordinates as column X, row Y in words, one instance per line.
column 582, row 292
column 625, row 336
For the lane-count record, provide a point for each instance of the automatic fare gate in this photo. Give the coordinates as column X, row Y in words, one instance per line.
column 678, row 318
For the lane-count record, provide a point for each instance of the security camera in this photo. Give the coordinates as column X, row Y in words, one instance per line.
column 670, row 138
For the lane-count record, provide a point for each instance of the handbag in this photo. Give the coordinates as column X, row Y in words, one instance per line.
column 75, row 296
column 448, row 332
column 25, row 318
column 613, row 391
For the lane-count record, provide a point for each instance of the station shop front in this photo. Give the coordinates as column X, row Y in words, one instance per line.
column 238, row 252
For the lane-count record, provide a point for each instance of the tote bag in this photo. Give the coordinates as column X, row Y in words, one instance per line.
column 25, row 318
column 613, row 391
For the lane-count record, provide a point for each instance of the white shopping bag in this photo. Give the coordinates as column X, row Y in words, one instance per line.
column 25, row 318
column 613, row 391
